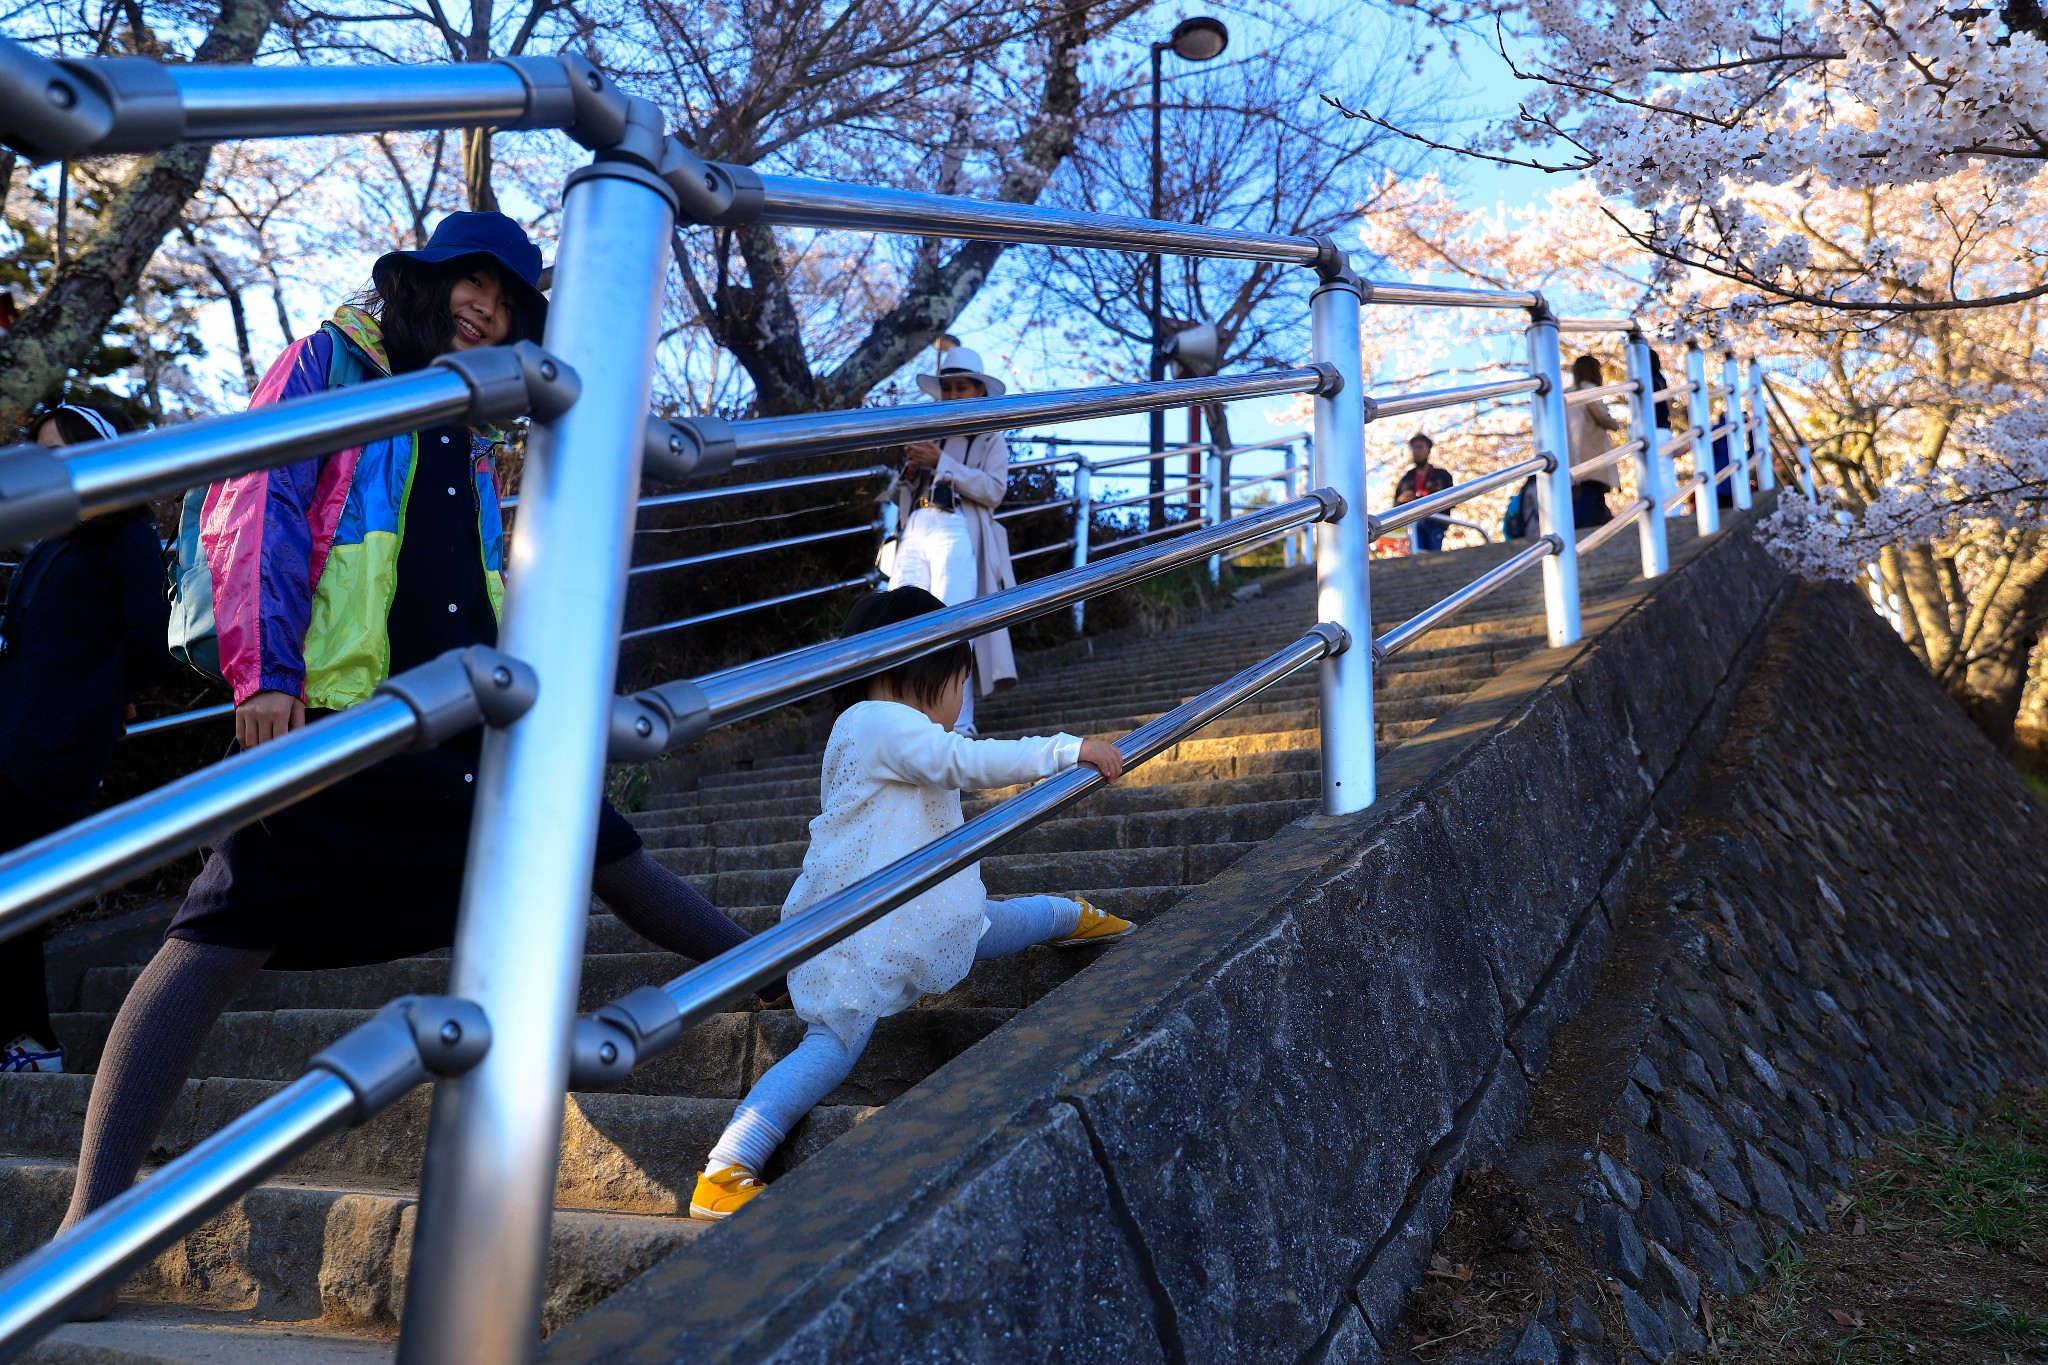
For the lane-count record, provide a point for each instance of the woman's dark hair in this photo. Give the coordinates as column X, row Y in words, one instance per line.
column 74, row 428
column 409, row 299
column 924, row 677
column 1586, row 370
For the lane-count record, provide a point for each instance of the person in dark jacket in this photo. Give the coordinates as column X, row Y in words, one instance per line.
column 1419, row 481
column 83, row 627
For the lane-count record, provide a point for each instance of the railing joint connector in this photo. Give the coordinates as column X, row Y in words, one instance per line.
column 1338, row 637
column 462, row 689
column 648, row 724
column 1335, row 508
column 1540, row 311
column 1330, row 380
column 683, row 448
column 609, row 1042
column 511, row 381
column 401, row 1045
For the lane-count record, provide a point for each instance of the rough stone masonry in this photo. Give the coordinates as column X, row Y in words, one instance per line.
column 1845, row 938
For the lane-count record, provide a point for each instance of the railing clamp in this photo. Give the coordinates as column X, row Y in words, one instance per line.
column 511, row 381
column 649, row 724
column 709, row 191
column 1339, row 638
column 607, row 1045
column 462, row 689
column 1334, row 507
column 402, row 1044
column 36, row 495
column 680, row 448
column 1330, row 379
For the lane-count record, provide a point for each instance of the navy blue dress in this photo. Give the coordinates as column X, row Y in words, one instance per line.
column 370, row 869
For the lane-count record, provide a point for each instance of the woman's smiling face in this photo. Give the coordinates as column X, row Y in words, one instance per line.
column 482, row 312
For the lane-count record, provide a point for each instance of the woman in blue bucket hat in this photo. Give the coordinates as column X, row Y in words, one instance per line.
column 326, row 577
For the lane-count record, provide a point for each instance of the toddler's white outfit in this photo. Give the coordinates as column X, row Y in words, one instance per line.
column 892, row 781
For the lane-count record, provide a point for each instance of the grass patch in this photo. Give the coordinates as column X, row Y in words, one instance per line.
column 1937, row 1253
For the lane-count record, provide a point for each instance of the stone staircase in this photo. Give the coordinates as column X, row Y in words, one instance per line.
column 312, row 1265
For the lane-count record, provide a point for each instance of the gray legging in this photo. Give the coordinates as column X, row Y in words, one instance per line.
column 173, row 1005
column 823, row 1060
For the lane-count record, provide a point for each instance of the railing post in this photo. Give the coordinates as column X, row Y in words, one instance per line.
column 1084, row 517
column 1700, row 412
column 1806, row 473
column 1766, row 474
column 1653, row 470
column 1554, row 490
column 1344, row 548
column 1738, row 431
column 1212, row 500
column 480, row 1256
column 1288, row 557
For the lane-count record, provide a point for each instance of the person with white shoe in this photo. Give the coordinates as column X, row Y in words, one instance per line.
column 950, row 543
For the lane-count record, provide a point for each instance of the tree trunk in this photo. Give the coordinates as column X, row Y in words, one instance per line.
column 476, row 170
column 63, row 326
column 1996, row 674
column 758, row 324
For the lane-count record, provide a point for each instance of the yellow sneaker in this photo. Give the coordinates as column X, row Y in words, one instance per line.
column 1096, row 926
column 720, row 1193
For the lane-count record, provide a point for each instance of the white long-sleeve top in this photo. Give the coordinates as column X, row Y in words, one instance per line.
column 892, row 783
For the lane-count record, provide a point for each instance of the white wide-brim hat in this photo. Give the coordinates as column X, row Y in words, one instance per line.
column 967, row 364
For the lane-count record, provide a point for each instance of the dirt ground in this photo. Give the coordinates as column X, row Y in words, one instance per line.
column 1938, row 1254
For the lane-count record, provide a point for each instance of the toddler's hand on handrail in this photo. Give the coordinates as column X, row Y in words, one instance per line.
column 1104, row 757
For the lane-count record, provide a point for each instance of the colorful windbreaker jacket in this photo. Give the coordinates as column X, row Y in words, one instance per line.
column 304, row 558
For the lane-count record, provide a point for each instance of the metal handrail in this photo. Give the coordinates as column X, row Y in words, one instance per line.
column 1172, row 529
column 1025, row 509
column 1408, row 513
column 1066, row 544
column 1678, row 390
column 749, row 690
column 1597, row 325
column 1599, row 535
column 1685, row 490
column 828, row 433
column 1180, row 490
column 759, row 547
column 418, row 707
column 1576, row 398
column 1429, row 618
column 727, row 613
column 1680, row 442
column 705, row 990
column 1403, row 404
column 92, row 477
column 745, row 490
column 178, row 720
column 1612, row 455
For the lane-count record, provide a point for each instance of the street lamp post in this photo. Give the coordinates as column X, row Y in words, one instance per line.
column 1193, row 40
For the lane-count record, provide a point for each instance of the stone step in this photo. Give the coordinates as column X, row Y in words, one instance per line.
column 621, row 1153
column 1012, row 874
column 1140, row 903
column 144, row 1333
column 295, row 1250
column 718, row 1059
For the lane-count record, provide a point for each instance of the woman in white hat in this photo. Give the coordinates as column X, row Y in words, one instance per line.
column 950, row 544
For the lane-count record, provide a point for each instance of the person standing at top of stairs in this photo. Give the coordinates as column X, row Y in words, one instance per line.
column 329, row 575
column 951, row 544
column 82, row 630
column 892, row 776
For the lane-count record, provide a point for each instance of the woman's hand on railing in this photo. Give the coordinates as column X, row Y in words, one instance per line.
column 923, row 454
column 267, row 716
column 1104, row 757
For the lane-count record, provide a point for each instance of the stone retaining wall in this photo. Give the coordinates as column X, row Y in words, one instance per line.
column 1235, row 1137
column 1844, row 939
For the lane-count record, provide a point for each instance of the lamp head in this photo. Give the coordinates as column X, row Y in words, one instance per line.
column 1199, row 39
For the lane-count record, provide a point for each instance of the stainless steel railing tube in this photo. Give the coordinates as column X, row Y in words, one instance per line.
column 1344, row 549
column 487, row 1189
column 1554, row 490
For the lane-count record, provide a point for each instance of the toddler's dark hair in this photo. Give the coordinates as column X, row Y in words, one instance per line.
column 75, row 429
column 924, row 677
column 1586, row 370
column 409, row 299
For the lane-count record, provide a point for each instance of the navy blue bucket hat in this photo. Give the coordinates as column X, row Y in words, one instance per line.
column 485, row 234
